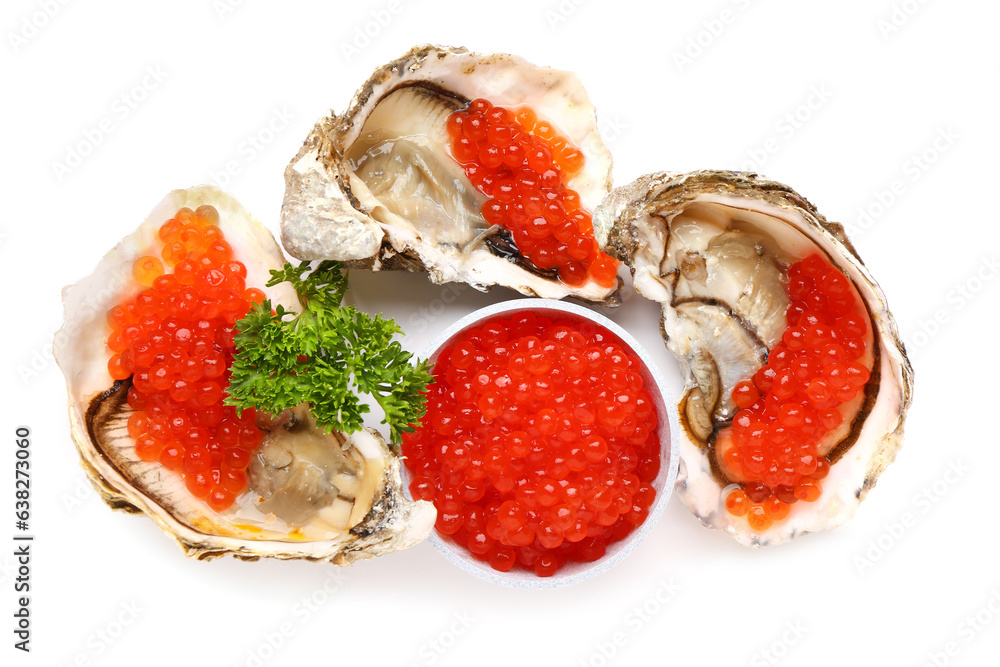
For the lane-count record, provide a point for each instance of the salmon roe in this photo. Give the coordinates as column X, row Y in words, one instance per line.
column 540, row 444
column 799, row 397
column 523, row 165
column 175, row 340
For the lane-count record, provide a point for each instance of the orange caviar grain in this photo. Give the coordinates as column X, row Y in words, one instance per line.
column 526, row 118
column 170, row 230
column 776, row 509
column 571, row 159
column 119, row 316
column 604, row 270
column 212, row 233
column 192, row 238
column 737, row 503
column 254, row 295
column 757, row 518
column 173, row 252
column 147, row 269
column 807, row 490
column 745, row 394
column 148, row 448
column 115, row 368
column 545, row 130
column 206, row 215
column 137, row 424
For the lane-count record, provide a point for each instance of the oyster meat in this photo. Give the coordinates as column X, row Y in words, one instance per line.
column 714, row 249
column 311, row 495
column 377, row 186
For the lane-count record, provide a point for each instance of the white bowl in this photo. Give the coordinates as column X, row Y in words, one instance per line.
column 571, row 572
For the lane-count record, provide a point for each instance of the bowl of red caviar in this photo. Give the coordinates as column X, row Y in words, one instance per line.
column 547, row 446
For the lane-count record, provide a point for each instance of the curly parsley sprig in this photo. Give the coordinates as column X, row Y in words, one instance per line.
column 325, row 356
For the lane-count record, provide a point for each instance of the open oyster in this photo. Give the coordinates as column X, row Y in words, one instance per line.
column 378, row 186
column 769, row 452
column 307, row 494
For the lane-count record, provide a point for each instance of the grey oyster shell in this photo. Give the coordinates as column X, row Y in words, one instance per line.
column 723, row 309
column 383, row 519
column 376, row 186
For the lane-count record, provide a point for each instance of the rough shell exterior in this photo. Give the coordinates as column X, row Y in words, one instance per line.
column 629, row 222
column 128, row 485
column 326, row 215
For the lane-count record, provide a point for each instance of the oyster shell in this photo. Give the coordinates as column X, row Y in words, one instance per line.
column 377, row 186
column 311, row 495
column 712, row 248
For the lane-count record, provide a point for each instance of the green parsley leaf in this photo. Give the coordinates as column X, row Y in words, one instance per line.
column 325, row 356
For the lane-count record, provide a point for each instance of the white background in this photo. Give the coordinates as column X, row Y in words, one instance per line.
column 844, row 101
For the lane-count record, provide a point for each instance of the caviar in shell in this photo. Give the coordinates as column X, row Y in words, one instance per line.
column 400, row 180
column 143, row 349
column 797, row 383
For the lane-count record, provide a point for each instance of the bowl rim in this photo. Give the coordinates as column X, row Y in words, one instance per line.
column 669, row 447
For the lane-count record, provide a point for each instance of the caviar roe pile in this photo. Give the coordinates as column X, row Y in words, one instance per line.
column 522, row 164
column 175, row 339
column 792, row 402
column 539, row 444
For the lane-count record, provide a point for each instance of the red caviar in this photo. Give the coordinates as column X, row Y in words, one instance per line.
column 523, row 165
column 539, row 445
column 794, row 401
column 175, row 340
